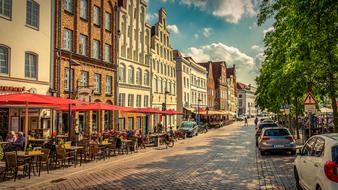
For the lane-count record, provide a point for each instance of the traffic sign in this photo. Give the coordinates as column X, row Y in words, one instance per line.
column 310, row 99
column 310, row 108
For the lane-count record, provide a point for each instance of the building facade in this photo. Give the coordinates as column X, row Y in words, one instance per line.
column 163, row 70
column 219, row 72
column 25, row 59
column 85, row 59
column 183, row 73
column 231, row 90
column 246, row 99
column 134, row 85
column 198, row 85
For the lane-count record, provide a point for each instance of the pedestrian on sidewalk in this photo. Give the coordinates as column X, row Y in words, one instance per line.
column 256, row 122
column 245, row 122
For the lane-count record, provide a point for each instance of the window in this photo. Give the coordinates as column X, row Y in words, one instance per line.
column 107, row 20
column 96, row 49
column 67, row 39
column 83, row 9
column 146, row 78
column 84, row 79
column 146, row 101
column 96, row 15
column 138, row 101
column 308, row 147
column 107, row 53
column 67, row 79
column 31, row 65
column 122, row 99
column 121, row 124
column 138, row 122
column 122, row 73
column 32, row 13
column 131, row 75
column 97, row 83
column 4, row 61
column 319, row 147
column 240, row 96
column 109, row 84
column 69, row 5
column 130, row 123
column 138, row 76
column 83, row 44
column 130, row 100
column 6, row 8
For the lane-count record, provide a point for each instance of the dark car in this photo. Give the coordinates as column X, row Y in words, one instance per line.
column 263, row 125
column 190, row 128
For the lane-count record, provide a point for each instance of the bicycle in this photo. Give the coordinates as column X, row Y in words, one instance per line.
column 169, row 141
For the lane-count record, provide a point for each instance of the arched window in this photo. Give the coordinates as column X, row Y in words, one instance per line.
column 139, row 76
column 4, row 60
column 122, row 73
column 131, row 75
column 31, row 65
column 146, row 78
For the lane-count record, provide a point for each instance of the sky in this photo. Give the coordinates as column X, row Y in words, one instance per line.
column 216, row 30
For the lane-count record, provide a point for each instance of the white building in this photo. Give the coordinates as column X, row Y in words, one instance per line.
column 246, row 100
column 134, row 62
column 163, row 69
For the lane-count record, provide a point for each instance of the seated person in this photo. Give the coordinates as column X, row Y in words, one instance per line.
column 20, row 142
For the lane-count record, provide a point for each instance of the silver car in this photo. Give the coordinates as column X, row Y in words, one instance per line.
column 276, row 139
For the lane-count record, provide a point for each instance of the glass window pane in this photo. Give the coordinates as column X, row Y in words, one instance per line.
column 3, row 60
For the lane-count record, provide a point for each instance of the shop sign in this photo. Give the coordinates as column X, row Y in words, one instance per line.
column 31, row 112
column 11, row 89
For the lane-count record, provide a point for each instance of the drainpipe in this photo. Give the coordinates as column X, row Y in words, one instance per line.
column 117, row 46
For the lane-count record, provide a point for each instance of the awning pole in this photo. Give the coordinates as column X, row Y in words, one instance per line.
column 26, row 126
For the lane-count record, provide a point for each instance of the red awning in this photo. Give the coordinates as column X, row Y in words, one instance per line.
column 172, row 112
column 35, row 99
column 96, row 106
column 145, row 110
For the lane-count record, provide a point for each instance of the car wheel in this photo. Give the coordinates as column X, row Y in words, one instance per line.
column 297, row 178
column 196, row 133
column 318, row 187
column 256, row 143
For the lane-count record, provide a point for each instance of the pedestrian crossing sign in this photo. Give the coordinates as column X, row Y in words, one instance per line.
column 310, row 99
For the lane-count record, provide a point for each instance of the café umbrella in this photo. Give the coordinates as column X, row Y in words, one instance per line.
column 96, row 106
column 28, row 99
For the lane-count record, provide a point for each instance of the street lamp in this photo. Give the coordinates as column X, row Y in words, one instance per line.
column 198, row 110
column 70, row 89
column 164, row 106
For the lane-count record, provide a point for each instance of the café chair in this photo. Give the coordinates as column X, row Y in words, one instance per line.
column 12, row 165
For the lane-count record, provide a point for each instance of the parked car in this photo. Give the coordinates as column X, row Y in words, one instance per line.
column 263, row 125
column 241, row 117
column 316, row 165
column 190, row 128
column 276, row 139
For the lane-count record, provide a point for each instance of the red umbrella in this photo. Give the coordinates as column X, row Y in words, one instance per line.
column 35, row 99
column 96, row 106
column 172, row 112
column 145, row 110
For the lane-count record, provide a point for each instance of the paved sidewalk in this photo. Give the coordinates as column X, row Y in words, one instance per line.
column 224, row 158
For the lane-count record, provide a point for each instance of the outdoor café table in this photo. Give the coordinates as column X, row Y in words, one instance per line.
column 38, row 142
column 75, row 149
column 29, row 158
column 157, row 137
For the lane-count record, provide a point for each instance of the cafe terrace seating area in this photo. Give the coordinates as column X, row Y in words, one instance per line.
column 41, row 156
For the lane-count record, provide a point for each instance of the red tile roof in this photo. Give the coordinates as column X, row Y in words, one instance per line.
column 241, row 86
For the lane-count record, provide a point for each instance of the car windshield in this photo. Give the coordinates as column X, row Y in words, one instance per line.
column 265, row 125
column 335, row 154
column 186, row 125
column 276, row 132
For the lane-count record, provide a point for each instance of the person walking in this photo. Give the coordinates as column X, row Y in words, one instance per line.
column 245, row 122
column 256, row 122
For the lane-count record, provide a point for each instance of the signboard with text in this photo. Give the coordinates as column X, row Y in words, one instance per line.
column 310, row 103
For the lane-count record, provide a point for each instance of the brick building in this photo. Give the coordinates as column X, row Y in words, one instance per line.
column 85, row 35
column 219, row 73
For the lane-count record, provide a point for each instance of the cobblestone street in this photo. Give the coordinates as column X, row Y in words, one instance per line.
column 224, row 158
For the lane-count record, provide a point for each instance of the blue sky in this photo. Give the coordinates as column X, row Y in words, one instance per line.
column 216, row 30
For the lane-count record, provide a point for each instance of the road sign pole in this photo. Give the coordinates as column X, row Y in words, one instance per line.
column 310, row 129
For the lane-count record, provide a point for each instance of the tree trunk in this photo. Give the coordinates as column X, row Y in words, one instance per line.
column 297, row 114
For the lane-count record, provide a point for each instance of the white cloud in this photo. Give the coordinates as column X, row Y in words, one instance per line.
column 196, row 35
column 270, row 29
column 173, row 28
column 151, row 17
column 257, row 48
column 206, row 32
column 246, row 66
column 230, row 10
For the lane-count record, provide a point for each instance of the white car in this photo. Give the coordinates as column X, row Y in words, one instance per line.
column 316, row 166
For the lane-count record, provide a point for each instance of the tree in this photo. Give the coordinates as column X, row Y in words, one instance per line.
column 301, row 53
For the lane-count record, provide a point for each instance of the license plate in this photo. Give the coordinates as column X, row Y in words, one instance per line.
column 278, row 146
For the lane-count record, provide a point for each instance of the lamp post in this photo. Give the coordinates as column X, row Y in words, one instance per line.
column 164, row 106
column 70, row 90
column 198, row 111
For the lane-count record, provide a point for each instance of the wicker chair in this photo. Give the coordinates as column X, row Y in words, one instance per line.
column 62, row 156
column 12, row 165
